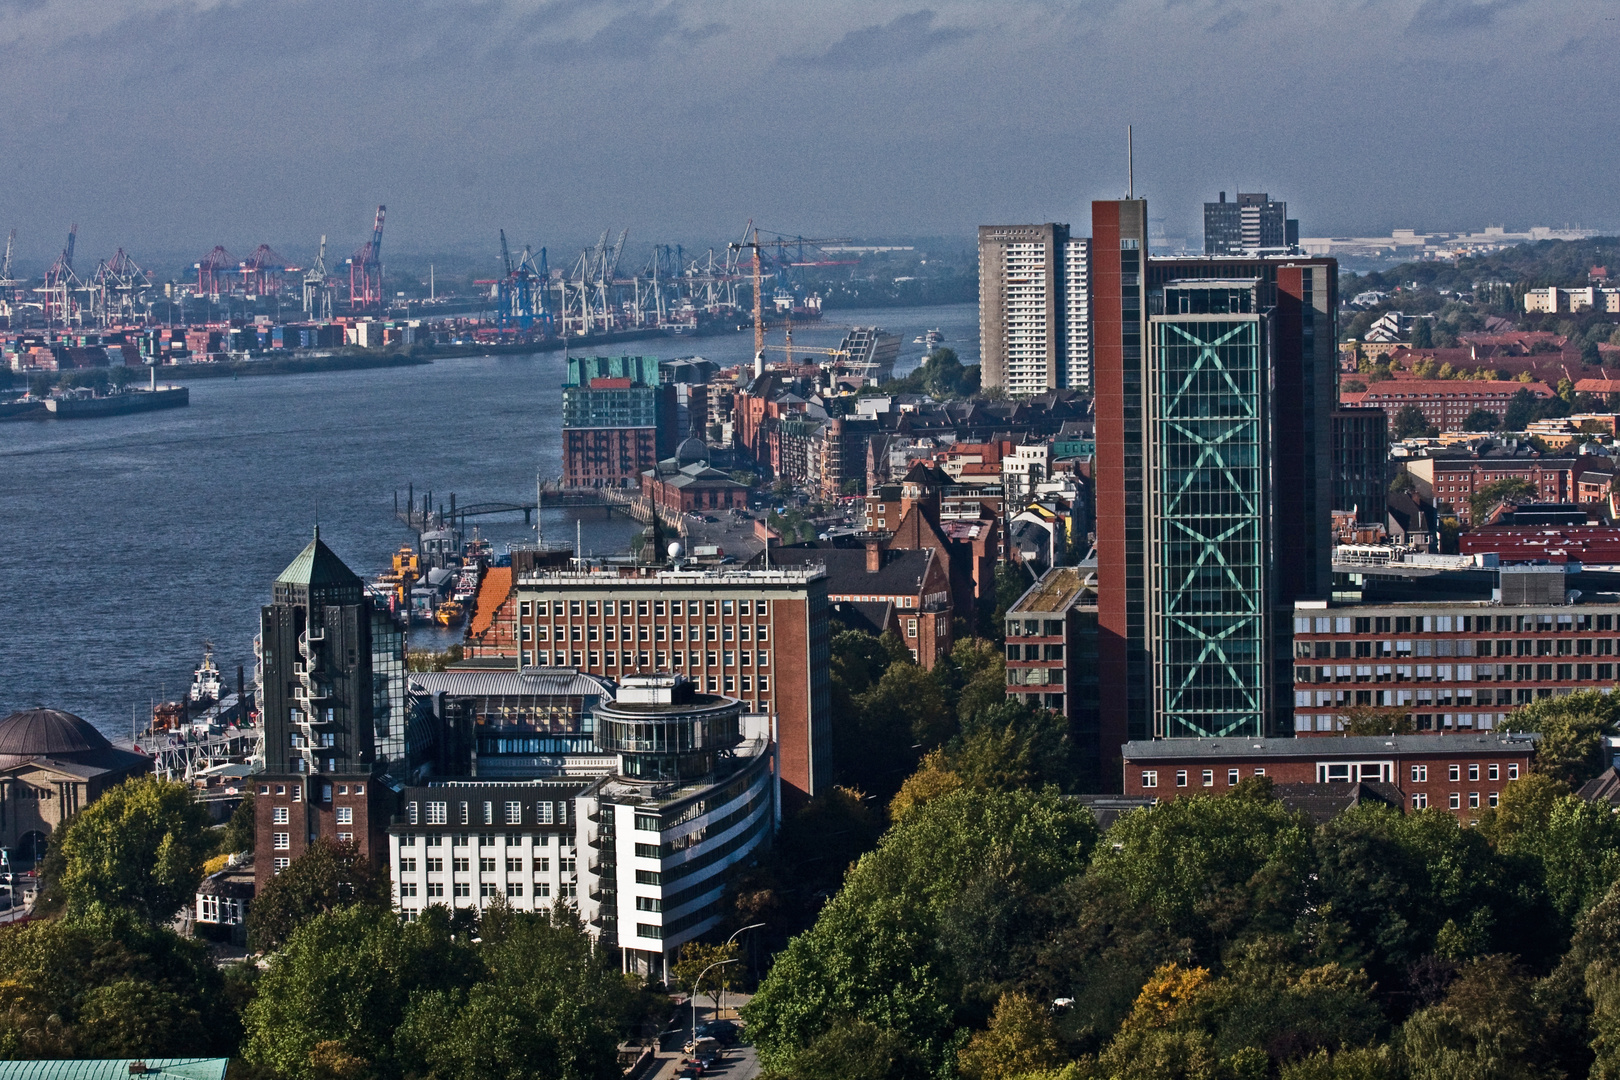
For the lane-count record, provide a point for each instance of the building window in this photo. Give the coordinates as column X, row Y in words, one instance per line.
column 1494, row 771
column 1420, row 774
column 648, row 930
column 486, row 889
column 514, row 889
column 1231, row 776
column 345, row 815
column 1150, row 779
column 1493, row 798
column 283, row 841
column 542, row 889
column 1181, row 778
column 1456, row 801
column 282, row 864
column 1209, row 777
column 1420, row 801
column 1473, row 772
column 514, row 814
column 1473, row 799
column 1513, row 771
column 280, row 815
column 462, row 888
column 438, row 813
column 1454, row 773
column 345, row 837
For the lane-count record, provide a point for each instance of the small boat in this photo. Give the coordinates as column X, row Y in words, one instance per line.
column 206, row 685
column 449, row 613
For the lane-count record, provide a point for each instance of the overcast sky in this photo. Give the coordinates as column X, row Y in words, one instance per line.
column 171, row 125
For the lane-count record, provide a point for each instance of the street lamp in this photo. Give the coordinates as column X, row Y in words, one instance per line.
column 729, row 940
column 697, row 985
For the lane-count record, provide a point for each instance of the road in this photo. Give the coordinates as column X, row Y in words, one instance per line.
column 740, row 1063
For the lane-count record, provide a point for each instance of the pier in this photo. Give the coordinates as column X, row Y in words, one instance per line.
column 422, row 516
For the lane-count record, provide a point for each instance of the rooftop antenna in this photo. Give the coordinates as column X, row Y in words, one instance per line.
column 1130, row 163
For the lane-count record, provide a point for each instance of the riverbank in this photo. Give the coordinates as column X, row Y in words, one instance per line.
column 289, row 365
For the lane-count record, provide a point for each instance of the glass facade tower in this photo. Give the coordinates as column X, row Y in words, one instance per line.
column 1209, row 504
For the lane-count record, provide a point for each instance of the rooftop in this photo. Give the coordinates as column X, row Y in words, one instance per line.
column 318, row 565
column 679, row 579
column 1356, row 746
column 1057, row 590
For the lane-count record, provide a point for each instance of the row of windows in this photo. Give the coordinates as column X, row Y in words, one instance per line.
column 710, row 632
column 513, row 890
column 724, row 658
column 283, row 841
column 327, row 790
column 613, row 608
column 1448, row 624
column 1443, row 647
column 1343, row 772
column 438, row 813
column 1420, row 800
column 408, row 840
column 462, row 864
column 1399, row 673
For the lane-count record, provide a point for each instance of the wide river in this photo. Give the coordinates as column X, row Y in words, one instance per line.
column 126, row 543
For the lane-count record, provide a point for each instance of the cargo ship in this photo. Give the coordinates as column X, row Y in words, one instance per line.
column 81, row 404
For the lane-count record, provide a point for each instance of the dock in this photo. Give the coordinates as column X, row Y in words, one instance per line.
column 422, row 516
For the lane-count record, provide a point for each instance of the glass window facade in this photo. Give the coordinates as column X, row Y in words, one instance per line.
column 1209, row 512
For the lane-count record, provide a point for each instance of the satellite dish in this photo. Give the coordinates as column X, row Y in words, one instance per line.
column 675, row 549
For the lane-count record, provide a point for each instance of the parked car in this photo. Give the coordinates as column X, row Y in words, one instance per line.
column 725, row 1032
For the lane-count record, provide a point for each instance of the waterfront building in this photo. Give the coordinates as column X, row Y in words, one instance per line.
column 512, row 722
column 1214, row 382
column 318, row 694
column 619, row 419
column 1033, row 307
column 869, row 352
column 52, row 765
column 686, row 484
column 680, row 788
column 758, row 635
column 1465, row 775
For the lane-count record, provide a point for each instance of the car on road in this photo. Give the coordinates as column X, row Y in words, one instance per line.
column 725, row 1032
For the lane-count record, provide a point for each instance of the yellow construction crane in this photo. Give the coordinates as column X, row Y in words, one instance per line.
column 759, row 311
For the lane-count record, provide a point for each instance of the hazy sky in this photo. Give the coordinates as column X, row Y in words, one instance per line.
column 172, row 125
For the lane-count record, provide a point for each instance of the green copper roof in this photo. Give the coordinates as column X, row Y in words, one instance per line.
column 318, row 565
column 115, row 1069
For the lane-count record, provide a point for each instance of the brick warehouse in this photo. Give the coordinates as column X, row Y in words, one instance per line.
column 1458, row 650
column 1464, row 775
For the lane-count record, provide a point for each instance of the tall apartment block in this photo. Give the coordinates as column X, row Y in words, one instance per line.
column 1214, row 386
column 619, row 419
column 1252, row 224
column 757, row 635
column 1027, row 310
column 1361, row 463
column 318, row 693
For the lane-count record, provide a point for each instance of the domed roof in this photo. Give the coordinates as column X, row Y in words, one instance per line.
column 34, row 733
column 691, row 451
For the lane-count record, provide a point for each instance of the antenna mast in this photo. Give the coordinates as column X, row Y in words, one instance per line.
column 1130, row 163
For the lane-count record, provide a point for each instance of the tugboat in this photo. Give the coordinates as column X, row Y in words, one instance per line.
column 449, row 613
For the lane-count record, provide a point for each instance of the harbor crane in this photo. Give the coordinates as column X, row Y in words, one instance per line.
column 317, row 289
column 365, row 270
column 261, row 273
column 759, row 312
column 60, row 285
column 119, row 289
column 8, row 284
column 215, row 267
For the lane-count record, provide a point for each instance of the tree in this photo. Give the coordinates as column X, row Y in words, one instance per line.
column 1020, row 1039
column 690, row 969
column 875, row 953
column 1378, row 720
column 108, row 985
column 1481, row 420
column 239, row 832
column 339, row 991
column 329, row 875
column 549, row 1004
column 1409, row 423
column 39, row 386
column 1508, row 489
column 1572, row 730
column 1013, row 746
column 1522, row 409
column 139, row 848
column 1487, row 1026
column 1402, row 483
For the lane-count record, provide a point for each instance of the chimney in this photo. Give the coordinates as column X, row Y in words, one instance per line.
column 874, row 555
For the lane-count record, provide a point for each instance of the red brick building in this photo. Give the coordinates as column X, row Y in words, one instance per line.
column 1444, row 403
column 692, row 488
column 1465, row 775
column 1451, row 480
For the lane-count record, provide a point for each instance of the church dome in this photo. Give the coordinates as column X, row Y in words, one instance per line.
column 691, row 451
column 34, row 733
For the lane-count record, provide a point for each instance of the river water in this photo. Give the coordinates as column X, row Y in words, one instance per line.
column 127, row 542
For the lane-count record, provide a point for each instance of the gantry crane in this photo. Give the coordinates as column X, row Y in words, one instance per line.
column 365, row 270
column 759, row 310
column 8, row 284
column 317, row 290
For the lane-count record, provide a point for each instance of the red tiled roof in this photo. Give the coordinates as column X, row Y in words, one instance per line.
column 492, row 593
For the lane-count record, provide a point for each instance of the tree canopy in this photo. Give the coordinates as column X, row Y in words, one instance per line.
column 139, row 848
